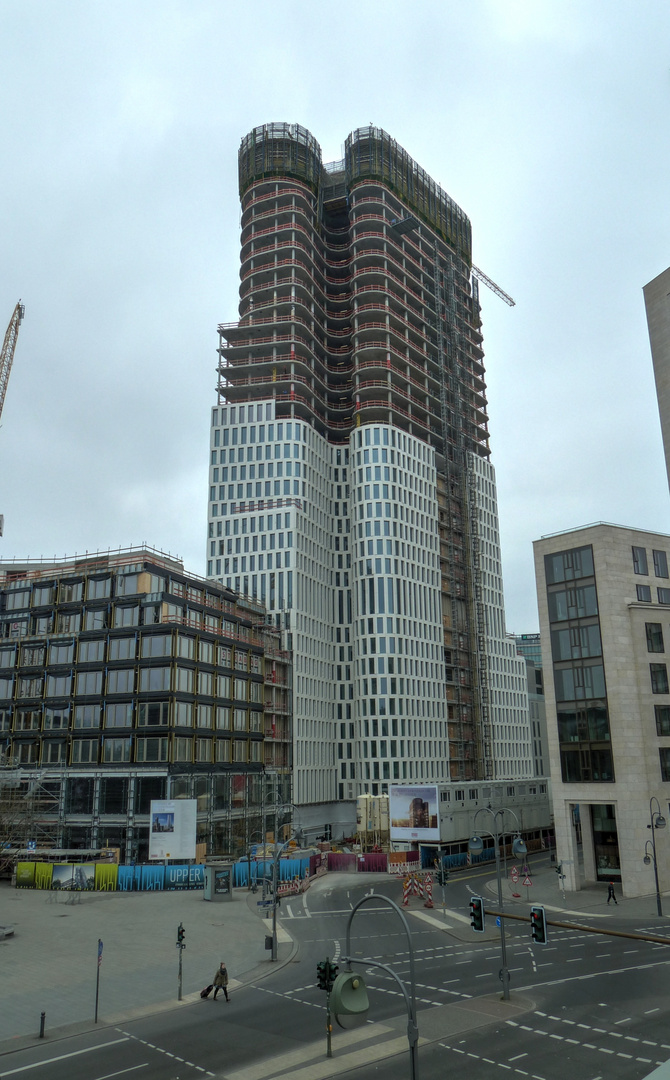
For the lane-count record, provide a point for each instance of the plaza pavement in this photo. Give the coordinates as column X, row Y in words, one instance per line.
column 49, row 964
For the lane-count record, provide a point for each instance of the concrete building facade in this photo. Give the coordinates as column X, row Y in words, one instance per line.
column 604, row 602
column 349, row 472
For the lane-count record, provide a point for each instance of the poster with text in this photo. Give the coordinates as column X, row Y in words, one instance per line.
column 172, row 829
column 413, row 810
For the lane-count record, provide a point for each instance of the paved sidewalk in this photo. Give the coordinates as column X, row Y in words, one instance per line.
column 50, row 962
column 586, row 903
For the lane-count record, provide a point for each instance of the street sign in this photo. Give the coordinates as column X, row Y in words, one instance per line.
column 498, row 921
column 527, row 881
column 264, row 903
column 31, row 845
column 99, row 951
column 515, row 870
column 515, row 876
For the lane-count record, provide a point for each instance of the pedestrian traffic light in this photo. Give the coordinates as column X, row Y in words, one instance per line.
column 322, row 974
column 180, row 934
column 538, row 925
column 477, row 920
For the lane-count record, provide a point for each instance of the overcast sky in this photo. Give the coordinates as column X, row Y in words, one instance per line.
column 547, row 121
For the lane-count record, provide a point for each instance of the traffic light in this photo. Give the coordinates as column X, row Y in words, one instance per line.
column 332, row 974
column 538, row 925
column 180, row 934
column 322, row 974
column 477, row 914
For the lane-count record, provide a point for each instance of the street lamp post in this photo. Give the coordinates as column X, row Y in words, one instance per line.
column 476, row 845
column 656, row 821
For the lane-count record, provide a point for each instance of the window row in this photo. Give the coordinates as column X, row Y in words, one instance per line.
column 128, row 714
column 641, row 566
column 643, row 593
column 126, row 648
column 128, row 680
column 144, row 750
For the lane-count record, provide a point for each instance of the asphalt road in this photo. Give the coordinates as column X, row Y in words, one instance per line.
column 590, row 1006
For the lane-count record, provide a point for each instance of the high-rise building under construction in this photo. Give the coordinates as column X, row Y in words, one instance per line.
column 350, row 483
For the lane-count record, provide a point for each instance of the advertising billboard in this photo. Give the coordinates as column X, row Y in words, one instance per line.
column 172, row 829
column 413, row 810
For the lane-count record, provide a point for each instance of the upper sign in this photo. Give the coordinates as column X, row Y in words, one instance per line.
column 172, row 832
column 413, row 811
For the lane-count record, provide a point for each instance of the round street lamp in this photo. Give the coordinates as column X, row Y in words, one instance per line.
column 656, row 821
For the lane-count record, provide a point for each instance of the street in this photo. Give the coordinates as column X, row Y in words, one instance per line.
column 584, row 1005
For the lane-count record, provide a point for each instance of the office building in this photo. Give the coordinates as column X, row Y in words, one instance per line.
column 125, row 679
column 604, row 603
column 350, row 485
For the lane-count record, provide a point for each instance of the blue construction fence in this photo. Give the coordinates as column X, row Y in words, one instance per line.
column 289, row 870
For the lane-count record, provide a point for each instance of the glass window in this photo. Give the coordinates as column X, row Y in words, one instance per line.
column 255, row 664
column 151, row 750
column 68, row 622
column 70, row 591
column 183, row 714
column 240, row 689
column 204, row 716
column 662, row 713
column 579, row 682
column 205, row 683
column 119, row 715
column 53, row 752
column 576, row 642
column 156, row 645
column 659, row 678
column 240, row 719
column 223, row 686
column 87, row 716
column 98, row 588
column 96, row 619
column 664, row 755
column 568, row 565
column 574, row 603
column 91, row 651
column 122, row 648
column 43, row 595
column 61, row 652
column 127, row 584
column 654, row 637
column 126, row 615
column 222, row 717
column 27, row 720
column 30, row 687
column 206, row 652
column 84, row 752
column 643, row 593
column 27, row 752
column 32, row 655
column 114, row 750
column 89, row 682
column 184, row 680
column 7, row 656
column 225, row 656
column 203, row 749
column 241, row 660
column 6, row 688
column 58, row 685
column 153, row 714
column 186, row 646
column 660, row 563
column 15, row 600
column 240, row 750
column 120, row 680
column 56, row 718
column 663, row 596
column 640, row 560
column 155, row 678
column 222, row 752
column 182, row 749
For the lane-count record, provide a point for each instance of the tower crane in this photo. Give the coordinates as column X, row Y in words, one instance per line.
column 6, row 359
column 8, row 347
column 490, row 284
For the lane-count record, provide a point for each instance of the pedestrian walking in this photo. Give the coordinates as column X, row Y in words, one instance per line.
column 221, row 981
column 610, row 893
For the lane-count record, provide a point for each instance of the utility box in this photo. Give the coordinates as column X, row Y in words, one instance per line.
column 218, row 881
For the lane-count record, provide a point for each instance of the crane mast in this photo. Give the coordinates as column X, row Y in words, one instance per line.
column 8, row 347
column 6, row 359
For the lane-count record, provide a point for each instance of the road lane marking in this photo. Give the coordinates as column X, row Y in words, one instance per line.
column 120, row 1072
column 62, row 1057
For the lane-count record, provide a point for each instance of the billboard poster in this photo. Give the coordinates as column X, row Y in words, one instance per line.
column 172, row 829
column 413, row 810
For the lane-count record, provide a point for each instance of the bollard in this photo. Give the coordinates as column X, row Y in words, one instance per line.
column 42, row 1018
